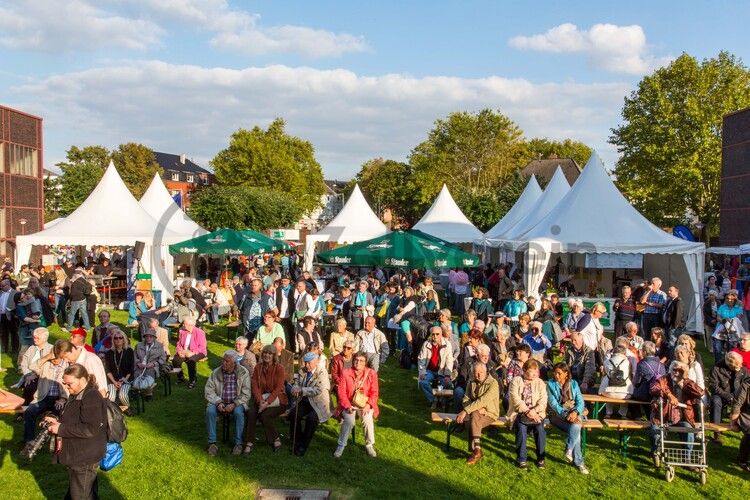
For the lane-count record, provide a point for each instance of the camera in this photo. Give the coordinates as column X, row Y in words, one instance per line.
column 31, row 450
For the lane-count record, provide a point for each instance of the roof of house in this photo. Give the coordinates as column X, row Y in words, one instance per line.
column 545, row 169
column 172, row 162
column 334, row 187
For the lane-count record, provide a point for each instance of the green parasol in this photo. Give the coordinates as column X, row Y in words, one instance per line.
column 228, row 242
column 400, row 249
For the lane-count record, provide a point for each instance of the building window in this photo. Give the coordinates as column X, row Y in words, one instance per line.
column 190, row 178
column 176, row 176
column 205, row 181
column 2, row 157
column 23, row 160
column 2, row 222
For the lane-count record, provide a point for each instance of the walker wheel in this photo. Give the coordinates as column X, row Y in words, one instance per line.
column 703, row 477
column 669, row 474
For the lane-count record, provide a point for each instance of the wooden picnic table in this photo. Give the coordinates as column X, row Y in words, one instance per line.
column 10, row 403
column 600, row 401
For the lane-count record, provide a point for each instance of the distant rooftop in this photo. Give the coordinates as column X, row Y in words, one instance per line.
column 179, row 163
column 545, row 169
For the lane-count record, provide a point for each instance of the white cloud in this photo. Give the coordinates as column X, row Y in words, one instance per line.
column 240, row 31
column 64, row 25
column 621, row 49
column 348, row 118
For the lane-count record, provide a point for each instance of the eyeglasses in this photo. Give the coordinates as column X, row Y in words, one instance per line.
column 118, row 338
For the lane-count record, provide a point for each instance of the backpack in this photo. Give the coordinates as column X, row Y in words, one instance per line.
column 117, row 428
column 616, row 376
column 405, row 360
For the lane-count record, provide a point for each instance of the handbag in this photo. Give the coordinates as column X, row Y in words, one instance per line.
column 143, row 382
column 275, row 403
column 112, row 457
column 360, row 399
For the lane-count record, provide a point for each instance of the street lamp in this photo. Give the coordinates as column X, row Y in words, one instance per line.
column 23, row 222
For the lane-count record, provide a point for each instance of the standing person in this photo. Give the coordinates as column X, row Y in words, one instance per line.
column 504, row 289
column 190, row 348
column 481, row 405
column 80, row 289
column 528, row 408
column 461, row 289
column 674, row 315
column 358, row 395
column 624, row 309
column 590, row 326
column 284, row 310
column 81, row 433
column 566, row 401
column 78, row 355
column 654, row 300
column 360, row 303
column 8, row 320
column 253, row 306
column 312, row 407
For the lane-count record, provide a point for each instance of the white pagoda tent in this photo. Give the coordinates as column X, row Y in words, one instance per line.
column 157, row 202
column 111, row 216
column 446, row 221
column 595, row 218
column 524, row 205
column 355, row 222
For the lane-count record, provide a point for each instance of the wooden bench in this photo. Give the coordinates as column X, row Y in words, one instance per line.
column 624, row 429
column 711, row 427
column 232, row 329
column 449, row 419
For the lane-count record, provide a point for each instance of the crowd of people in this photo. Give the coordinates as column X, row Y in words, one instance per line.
column 506, row 354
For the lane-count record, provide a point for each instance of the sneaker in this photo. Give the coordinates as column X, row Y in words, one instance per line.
column 540, row 464
column 339, row 451
column 583, row 470
column 212, row 450
column 248, row 448
column 237, row 450
column 191, row 385
column 371, row 451
column 745, row 467
column 569, row 455
column 433, row 406
column 522, row 465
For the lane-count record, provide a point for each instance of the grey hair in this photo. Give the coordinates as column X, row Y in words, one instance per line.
column 230, row 354
column 483, row 349
column 631, row 324
column 41, row 332
column 648, row 348
column 446, row 312
column 479, row 364
column 189, row 320
column 619, row 349
column 242, row 339
column 622, row 342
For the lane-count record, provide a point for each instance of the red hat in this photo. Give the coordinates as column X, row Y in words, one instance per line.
column 78, row 331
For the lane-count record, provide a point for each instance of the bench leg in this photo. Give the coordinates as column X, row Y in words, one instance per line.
column 584, row 433
column 224, row 428
column 624, row 440
column 597, row 409
column 451, row 428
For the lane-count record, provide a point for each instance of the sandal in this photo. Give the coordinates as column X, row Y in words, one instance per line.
column 248, row 448
column 277, row 445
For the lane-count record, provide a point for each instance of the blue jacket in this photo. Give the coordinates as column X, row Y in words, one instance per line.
column 554, row 394
column 514, row 308
column 538, row 345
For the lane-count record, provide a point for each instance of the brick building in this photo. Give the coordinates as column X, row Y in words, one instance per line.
column 21, row 170
column 735, row 179
column 182, row 175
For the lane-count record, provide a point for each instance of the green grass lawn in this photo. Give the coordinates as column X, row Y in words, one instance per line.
column 165, row 457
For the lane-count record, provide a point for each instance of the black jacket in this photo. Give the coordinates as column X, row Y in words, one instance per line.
column 289, row 298
column 200, row 302
column 83, row 428
column 582, row 364
column 79, row 289
column 674, row 313
column 724, row 381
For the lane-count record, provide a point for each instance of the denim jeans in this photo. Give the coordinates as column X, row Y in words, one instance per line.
column 717, row 405
column 672, row 335
column 239, row 422
column 656, row 436
column 573, row 440
column 31, row 414
column 426, row 385
column 76, row 306
column 522, row 435
column 458, row 398
column 720, row 347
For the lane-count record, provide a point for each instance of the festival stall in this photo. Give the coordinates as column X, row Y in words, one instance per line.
column 228, row 242
column 355, row 222
column 594, row 227
column 111, row 216
column 446, row 221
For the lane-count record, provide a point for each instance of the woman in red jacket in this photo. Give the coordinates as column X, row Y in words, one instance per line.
column 269, row 399
column 358, row 394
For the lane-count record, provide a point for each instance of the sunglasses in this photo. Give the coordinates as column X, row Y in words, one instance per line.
column 118, row 338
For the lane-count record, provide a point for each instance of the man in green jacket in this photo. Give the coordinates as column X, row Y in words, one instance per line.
column 481, row 407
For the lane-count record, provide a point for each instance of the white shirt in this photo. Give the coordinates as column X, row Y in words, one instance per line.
column 592, row 333
column 368, row 342
column 303, row 301
column 94, row 366
column 187, row 341
column 284, row 309
column 221, row 298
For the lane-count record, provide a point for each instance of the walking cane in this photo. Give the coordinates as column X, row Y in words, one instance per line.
column 296, row 415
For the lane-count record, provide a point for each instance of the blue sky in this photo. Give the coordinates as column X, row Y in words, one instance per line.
column 357, row 80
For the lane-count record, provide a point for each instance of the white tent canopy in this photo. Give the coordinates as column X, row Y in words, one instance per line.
column 157, row 202
column 355, row 222
column 523, row 206
column 446, row 221
column 110, row 216
column 557, row 188
column 595, row 218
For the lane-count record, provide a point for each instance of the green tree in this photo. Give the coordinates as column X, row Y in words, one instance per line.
column 242, row 207
column 51, row 198
column 470, row 152
column 538, row 149
column 388, row 184
column 137, row 165
column 271, row 159
column 81, row 173
column 670, row 139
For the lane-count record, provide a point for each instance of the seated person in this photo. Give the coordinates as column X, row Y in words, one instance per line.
column 119, row 363
column 740, row 420
column 521, row 354
column 743, row 349
column 219, row 305
column 78, row 339
column 307, row 334
column 435, row 361
column 474, row 339
column 50, row 394
column 538, row 342
column 617, row 382
column 312, row 408
column 528, row 407
column 678, row 393
column 634, row 340
column 318, row 349
column 227, row 392
column 470, row 316
column 566, row 402
column 339, row 336
column 341, row 362
column 358, row 395
column 269, row 398
column 465, row 373
column 30, row 363
column 269, row 330
column 663, row 350
column 373, row 343
column 286, row 359
column 725, row 380
column 245, row 356
column 162, row 335
column 581, row 360
column 481, row 407
column 101, row 339
column 191, row 348
column 497, row 327
column 648, row 371
column 150, row 361
column 136, row 307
